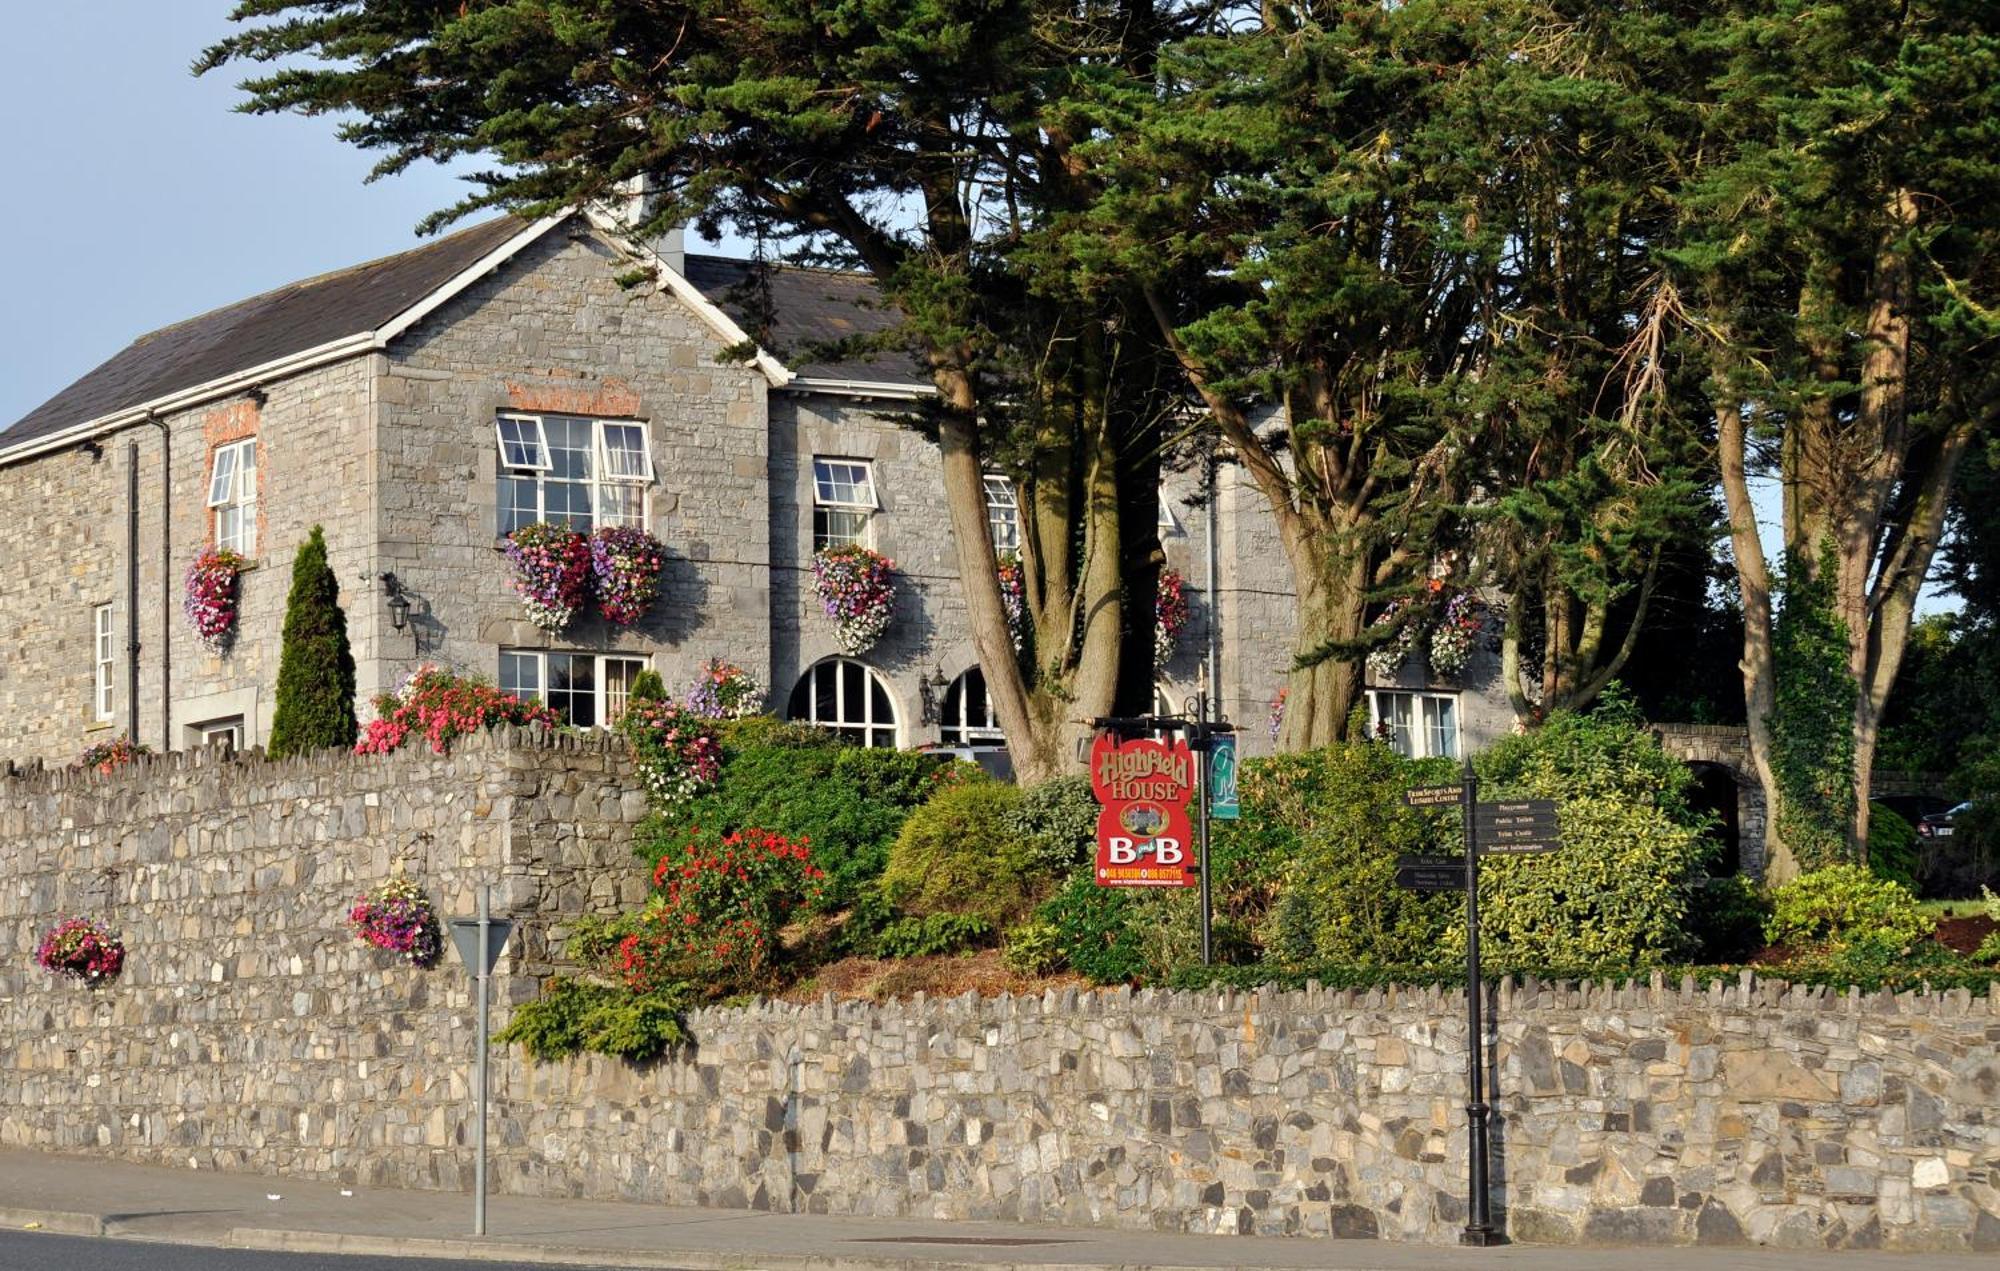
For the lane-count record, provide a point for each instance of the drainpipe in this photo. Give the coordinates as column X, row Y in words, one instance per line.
column 166, row 584
column 132, row 590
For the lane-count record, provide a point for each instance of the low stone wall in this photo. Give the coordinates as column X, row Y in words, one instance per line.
column 250, row 1031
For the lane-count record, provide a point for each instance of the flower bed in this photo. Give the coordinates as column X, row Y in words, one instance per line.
column 552, row 565
column 625, row 564
column 719, row 904
column 81, row 949
column 1170, row 616
column 725, row 690
column 397, row 916
column 107, row 756
column 676, row 750
column 857, row 589
column 209, row 597
column 438, row 706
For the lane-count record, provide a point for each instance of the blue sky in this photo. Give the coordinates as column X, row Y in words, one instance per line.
column 138, row 197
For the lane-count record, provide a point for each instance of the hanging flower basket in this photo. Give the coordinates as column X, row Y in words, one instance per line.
column 1014, row 598
column 1170, row 616
column 81, row 949
column 551, row 572
column 209, row 597
column 625, row 565
column 676, row 750
column 1386, row 659
column 725, row 690
column 1456, row 634
column 397, row 916
column 857, row 589
column 108, row 756
column 1278, row 712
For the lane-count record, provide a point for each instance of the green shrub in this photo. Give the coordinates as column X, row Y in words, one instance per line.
column 847, row 802
column 572, row 1016
column 955, row 855
column 1989, row 948
column 1057, row 820
column 931, row 935
column 1846, row 905
column 1034, row 948
column 1892, row 846
column 1094, row 928
column 647, row 686
column 1620, row 891
column 1728, row 919
column 315, row 666
column 1330, row 824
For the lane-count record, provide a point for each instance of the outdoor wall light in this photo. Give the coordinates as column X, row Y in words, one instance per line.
column 930, row 692
column 399, row 609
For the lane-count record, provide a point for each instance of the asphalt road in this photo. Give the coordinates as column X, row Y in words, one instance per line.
column 33, row 1251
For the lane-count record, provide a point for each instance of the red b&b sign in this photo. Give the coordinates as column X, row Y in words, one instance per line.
column 1143, row 834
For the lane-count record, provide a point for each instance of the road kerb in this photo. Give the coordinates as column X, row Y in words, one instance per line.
column 60, row 1222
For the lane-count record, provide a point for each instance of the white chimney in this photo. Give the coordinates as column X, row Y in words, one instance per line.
column 640, row 199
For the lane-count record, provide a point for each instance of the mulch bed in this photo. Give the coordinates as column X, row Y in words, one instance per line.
column 1964, row 935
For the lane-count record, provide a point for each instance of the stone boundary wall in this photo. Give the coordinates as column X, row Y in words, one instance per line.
column 251, row 1032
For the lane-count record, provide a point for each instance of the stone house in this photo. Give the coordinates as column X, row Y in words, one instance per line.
column 420, row 406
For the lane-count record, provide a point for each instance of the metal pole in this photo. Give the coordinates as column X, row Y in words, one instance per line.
column 1201, row 717
column 479, row 1130
column 1479, row 1220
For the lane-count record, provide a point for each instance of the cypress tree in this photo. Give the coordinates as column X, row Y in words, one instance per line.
column 316, row 668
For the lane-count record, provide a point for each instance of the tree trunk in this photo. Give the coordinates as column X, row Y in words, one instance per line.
column 1333, row 589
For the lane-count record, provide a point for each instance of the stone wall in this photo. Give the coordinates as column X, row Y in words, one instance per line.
column 251, row 1031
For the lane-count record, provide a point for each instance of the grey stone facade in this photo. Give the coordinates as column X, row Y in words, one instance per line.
column 393, row 451
column 251, row 1031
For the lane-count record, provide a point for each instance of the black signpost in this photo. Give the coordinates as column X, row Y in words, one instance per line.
column 1519, row 826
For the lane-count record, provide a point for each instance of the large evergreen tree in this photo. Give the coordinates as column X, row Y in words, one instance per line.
column 316, row 667
column 915, row 140
column 1839, row 254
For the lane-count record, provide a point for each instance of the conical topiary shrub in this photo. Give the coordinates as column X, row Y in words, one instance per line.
column 316, row 668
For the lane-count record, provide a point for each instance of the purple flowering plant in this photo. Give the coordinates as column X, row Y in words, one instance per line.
column 552, row 566
column 625, row 563
column 725, row 690
column 81, row 949
column 397, row 916
column 1013, row 597
column 676, row 749
column 209, row 597
column 857, row 589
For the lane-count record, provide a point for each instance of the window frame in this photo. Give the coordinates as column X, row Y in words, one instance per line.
column 239, row 496
column 104, row 664
column 232, row 725
column 600, row 680
column 969, row 736
column 1168, row 523
column 826, row 507
column 868, row 726
column 1008, row 510
column 603, row 491
column 1422, row 724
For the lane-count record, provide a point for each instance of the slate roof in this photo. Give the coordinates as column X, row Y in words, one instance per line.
column 810, row 307
column 813, row 306
column 291, row 319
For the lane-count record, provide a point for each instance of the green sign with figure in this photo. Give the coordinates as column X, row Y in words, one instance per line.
column 1222, row 803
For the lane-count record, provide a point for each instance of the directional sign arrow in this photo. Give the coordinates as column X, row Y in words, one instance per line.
column 1430, row 873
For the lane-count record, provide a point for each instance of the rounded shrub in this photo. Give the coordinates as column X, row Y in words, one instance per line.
column 956, row 855
column 1057, row 820
column 1846, row 905
column 1892, row 846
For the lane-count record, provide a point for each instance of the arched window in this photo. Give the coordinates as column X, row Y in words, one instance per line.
column 847, row 698
column 968, row 713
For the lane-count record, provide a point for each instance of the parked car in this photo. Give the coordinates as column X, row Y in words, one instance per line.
column 1938, row 824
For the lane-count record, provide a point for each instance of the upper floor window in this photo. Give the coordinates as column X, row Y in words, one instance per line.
column 843, row 502
column 582, row 473
column 585, row 689
column 103, row 655
column 1418, row 725
column 1003, row 513
column 232, row 496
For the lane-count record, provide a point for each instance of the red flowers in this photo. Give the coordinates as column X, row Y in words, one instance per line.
column 440, row 706
column 81, row 949
column 717, row 909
